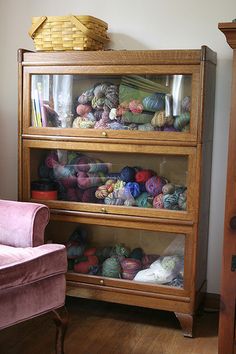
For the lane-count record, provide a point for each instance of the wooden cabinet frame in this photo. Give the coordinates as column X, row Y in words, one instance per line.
column 195, row 145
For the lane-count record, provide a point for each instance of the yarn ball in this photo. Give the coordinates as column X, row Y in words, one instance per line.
column 135, row 106
column 182, row 201
column 130, row 267
column 69, row 181
column 127, row 174
column 101, row 192
column 121, row 250
column 137, row 253
column 74, row 249
column 168, row 188
column 181, row 121
column 83, row 109
column 159, row 119
column 154, row 185
column 155, row 102
column 83, row 123
column 130, row 264
column 133, row 189
column 91, row 251
column 117, row 126
column 71, row 195
column 110, row 200
column 158, row 201
column 148, row 259
column 145, row 127
column 100, row 90
column 88, row 195
column 170, row 201
column 51, row 159
column 143, row 175
column 111, row 267
column 186, row 104
column 86, row 96
column 98, row 114
column 112, row 96
column 112, row 114
column 83, row 264
column 144, row 200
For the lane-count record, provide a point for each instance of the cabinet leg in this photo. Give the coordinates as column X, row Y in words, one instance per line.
column 60, row 318
column 186, row 323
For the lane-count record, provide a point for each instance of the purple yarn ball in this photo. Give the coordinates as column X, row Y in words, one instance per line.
column 154, row 185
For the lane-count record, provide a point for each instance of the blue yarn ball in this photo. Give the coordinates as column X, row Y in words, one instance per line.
column 127, row 174
column 133, row 189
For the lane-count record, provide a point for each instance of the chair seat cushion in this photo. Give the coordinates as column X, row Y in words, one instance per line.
column 21, row 266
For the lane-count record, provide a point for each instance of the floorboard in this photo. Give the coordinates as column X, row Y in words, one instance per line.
column 105, row 328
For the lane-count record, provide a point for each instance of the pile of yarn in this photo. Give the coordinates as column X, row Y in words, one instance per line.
column 95, row 106
column 143, row 188
column 165, row 270
column 119, row 261
column 83, row 178
column 77, row 175
column 103, row 107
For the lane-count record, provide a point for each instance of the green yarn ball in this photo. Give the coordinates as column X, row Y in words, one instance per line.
column 111, row 268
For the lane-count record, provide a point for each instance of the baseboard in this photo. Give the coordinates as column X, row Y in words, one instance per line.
column 212, row 301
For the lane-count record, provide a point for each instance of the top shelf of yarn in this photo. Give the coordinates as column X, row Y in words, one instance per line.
column 153, row 102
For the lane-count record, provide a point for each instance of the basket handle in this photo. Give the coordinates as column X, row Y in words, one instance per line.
column 86, row 31
column 36, row 25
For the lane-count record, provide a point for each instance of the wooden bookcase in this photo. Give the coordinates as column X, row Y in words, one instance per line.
column 176, row 145
column 227, row 323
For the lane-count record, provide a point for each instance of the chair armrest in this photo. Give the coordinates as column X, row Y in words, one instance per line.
column 22, row 224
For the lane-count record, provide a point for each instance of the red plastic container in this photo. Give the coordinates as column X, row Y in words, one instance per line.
column 44, row 190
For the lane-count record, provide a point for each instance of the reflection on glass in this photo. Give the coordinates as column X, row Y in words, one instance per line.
column 131, row 102
column 156, row 181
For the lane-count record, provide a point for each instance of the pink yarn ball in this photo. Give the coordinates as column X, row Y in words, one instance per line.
column 51, row 159
column 158, row 201
column 135, row 106
column 83, row 109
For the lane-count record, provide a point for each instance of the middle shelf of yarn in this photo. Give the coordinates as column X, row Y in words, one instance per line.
column 125, row 180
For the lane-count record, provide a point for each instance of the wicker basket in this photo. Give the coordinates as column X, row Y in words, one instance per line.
column 68, row 33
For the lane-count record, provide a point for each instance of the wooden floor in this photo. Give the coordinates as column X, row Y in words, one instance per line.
column 104, row 328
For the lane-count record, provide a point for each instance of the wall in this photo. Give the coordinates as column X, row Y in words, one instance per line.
column 138, row 24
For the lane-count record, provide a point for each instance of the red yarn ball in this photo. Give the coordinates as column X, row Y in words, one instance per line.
column 143, row 175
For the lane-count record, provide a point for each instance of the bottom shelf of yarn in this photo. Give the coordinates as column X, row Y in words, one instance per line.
column 144, row 257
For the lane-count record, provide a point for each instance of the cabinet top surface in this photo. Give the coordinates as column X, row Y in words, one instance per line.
column 116, row 57
column 229, row 30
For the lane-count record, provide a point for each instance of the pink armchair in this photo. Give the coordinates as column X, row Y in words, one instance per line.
column 32, row 274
